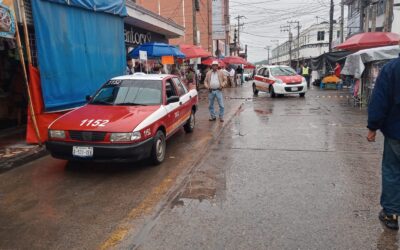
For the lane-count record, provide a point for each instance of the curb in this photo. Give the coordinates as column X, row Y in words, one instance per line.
column 23, row 159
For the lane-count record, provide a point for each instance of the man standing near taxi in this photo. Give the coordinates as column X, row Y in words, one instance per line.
column 305, row 72
column 384, row 115
column 215, row 81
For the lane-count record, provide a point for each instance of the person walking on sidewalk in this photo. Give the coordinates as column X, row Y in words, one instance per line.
column 384, row 115
column 215, row 81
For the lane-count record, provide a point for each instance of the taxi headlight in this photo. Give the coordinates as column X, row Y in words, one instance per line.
column 57, row 134
column 125, row 137
column 278, row 81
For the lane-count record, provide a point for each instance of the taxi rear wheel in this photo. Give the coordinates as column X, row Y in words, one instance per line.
column 255, row 90
column 158, row 149
column 272, row 91
column 190, row 124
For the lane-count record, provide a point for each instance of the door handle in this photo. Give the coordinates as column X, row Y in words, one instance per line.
column 180, row 103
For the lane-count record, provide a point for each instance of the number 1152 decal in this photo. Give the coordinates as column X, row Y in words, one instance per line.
column 94, row 123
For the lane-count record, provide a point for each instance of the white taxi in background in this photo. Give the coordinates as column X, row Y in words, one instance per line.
column 279, row 80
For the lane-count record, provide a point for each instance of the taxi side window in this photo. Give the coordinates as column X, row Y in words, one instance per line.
column 261, row 72
column 169, row 88
column 266, row 72
column 181, row 89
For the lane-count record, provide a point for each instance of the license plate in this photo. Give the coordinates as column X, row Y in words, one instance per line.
column 295, row 89
column 82, row 151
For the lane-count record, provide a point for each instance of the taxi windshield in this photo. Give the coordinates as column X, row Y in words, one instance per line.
column 129, row 93
column 283, row 71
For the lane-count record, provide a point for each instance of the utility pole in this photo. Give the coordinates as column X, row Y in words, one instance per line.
column 227, row 29
column 331, row 25
column 238, row 29
column 388, row 16
column 366, row 24
column 288, row 28
column 277, row 49
column 342, row 21
column 362, row 7
column 268, row 49
column 195, row 42
column 373, row 21
column 298, row 41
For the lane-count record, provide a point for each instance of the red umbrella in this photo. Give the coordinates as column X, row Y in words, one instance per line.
column 249, row 66
column 370, row 40
column 210, row 60
column 193, row 51
column 234, row 60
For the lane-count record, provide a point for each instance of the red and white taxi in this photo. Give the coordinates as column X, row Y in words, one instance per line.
column 129, row 118
column 279, row 80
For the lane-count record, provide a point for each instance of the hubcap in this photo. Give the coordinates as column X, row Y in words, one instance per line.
column 160, row 149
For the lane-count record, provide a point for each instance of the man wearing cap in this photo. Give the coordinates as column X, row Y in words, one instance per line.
column 215, row 81
column 384, row 115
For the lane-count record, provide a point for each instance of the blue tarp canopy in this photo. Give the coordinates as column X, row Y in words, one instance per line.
column 157, row 50
column 115, row 7
column 78, row 50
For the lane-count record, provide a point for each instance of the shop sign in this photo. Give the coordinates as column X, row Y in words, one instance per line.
column 135, row 37
column 7, row 22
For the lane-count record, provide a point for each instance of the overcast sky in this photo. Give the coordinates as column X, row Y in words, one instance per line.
column 265, row 17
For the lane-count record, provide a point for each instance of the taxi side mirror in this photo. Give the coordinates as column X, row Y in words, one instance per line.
column 88, row 98
column 173, row 99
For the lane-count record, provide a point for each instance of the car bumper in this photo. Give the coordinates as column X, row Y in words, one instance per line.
column 288, row 89
column 102, row 152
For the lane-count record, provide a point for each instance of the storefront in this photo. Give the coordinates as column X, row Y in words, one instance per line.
column 143, row 26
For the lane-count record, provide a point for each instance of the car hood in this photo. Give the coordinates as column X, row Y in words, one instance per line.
column 290, row 79
column 120, row 118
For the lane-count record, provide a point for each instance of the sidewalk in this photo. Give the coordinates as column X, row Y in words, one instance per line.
column 14, row 151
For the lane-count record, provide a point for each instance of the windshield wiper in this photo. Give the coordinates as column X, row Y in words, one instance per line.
column 101, row 102
column 130, row 104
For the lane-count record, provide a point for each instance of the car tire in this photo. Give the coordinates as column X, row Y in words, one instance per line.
column 302, row 94
column 255, row 90
column 272, row 91
column 191, row 123
column 158, row 150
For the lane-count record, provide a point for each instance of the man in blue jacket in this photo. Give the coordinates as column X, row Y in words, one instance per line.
column 384, row 115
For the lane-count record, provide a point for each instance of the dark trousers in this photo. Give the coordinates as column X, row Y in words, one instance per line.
column 390, row 197
column 308, row 80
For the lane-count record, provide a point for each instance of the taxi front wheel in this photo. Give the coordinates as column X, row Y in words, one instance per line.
column 158, row 150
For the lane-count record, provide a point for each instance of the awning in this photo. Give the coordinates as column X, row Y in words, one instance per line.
column 157, row 50
column 210, row 60
column 370, row 40
column 328, row 59
column 234, row 60
column 355, row 63
column 145, row 19
column 193, row 51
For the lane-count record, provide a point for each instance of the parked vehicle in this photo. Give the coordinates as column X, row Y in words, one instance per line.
column 129, row 118
column 279, row 80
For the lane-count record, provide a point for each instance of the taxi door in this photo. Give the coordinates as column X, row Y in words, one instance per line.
column 185, row 99
column 173, row 109
column 261, row 79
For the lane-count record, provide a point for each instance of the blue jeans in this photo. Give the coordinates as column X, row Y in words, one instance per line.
column 211, row 98
column 390, row 197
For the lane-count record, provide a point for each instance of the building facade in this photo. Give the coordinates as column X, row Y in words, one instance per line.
column 313, row 42
column 212, row 19
column 369, row 15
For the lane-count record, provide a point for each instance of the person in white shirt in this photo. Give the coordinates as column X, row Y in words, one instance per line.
column 232, row 77
column 215, row 81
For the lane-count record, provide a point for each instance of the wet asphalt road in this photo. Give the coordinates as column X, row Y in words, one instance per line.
column 285, row 173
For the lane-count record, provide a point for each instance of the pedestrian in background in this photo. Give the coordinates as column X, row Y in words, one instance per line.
column 338, row 69
column 384, row 115
column 232, row 77
column 129, row 66
column 305, row 72
column 215, row 81
column 239, row 75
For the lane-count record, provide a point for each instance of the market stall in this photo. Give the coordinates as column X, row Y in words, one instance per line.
column 365, row 66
